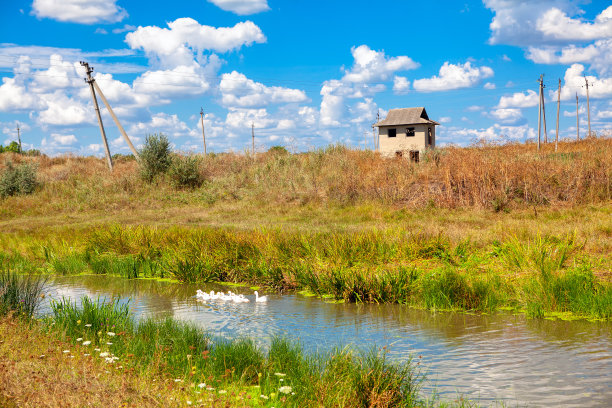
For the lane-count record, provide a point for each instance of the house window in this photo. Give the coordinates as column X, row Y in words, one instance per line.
column 409, row 132
column 429, row 137
column 414, row 156
column 399, row 153
column 392, row 132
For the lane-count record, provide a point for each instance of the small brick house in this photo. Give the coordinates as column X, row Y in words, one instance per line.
column 406, row 132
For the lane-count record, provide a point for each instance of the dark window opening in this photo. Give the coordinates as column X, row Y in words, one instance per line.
column 429, row 137
column 414, row 156
column 392, row 132
column 409, row 132
column 399, row 153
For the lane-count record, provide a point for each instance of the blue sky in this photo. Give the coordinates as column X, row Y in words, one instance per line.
column 305, row 73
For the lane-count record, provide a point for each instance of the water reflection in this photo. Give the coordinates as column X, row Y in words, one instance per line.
column 498, row 357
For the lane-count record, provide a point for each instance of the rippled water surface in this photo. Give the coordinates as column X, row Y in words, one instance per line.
column 487, row 358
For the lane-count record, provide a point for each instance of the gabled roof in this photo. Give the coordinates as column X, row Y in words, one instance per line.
column 406, row 116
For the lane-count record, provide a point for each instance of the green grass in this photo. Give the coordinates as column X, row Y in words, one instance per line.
column 342, row 377
column 537, row 275
column 20, row 294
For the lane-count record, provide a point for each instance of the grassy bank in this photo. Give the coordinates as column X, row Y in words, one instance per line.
column 478, row 228
column 97, row 353
column 541, row 275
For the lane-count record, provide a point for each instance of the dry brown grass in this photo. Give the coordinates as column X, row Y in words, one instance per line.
column 35, row 372
column 485, row 177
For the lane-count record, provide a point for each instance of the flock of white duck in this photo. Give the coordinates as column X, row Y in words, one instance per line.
column 227, row 297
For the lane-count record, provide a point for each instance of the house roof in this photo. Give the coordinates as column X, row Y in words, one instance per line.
column 406, row 116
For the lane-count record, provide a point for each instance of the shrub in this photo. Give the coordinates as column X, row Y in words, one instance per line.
column 19, row 179
column 184, row 172
column 155, row 157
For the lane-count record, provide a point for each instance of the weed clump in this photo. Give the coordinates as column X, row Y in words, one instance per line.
column 184, row 172
column 18, row 180
column 155, row 157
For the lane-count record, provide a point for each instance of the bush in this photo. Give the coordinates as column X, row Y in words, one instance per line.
column 12, row 147
column 155, row 157
column 18, row 180
column 184, row 172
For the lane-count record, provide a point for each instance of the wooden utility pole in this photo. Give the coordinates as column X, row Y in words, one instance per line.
column 116, row 120
column 203, row 135
column 540, row 114
column 90, row 81
column 558, row 107
column 544, row 113
column 253, row 137
column 19, row 139
column 577, row 120
column 586, row 81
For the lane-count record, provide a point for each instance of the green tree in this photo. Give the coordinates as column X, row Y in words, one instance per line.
column 155, row 157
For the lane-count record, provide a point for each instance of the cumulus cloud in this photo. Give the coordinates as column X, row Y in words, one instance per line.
column 401, row 85
column 519, row 100
column 556, row 24
column 371, row 66
column 598, row 54
column 239, row 91
column 574, row 82
column 79, row 11
column 242, row 7
column 453, row 76
column 508, row 116
column 489, row 85
column 181, row 81
column 177, row 44
column 14, row 97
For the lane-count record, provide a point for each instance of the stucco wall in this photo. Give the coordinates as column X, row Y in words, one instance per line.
column 390, row 145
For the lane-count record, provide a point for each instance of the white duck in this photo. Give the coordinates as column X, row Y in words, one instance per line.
column 259, row 299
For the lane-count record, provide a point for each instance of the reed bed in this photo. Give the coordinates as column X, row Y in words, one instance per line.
column 20, row 295
column 548, row 274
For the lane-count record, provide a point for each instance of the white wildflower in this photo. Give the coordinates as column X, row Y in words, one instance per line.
column 66, row 351
column 280, row 374
column 110, row 334
column 88, row 325
column 201, row 385
column 105, row 354
column 285, row 389
column 79, row 339
column 86, row 343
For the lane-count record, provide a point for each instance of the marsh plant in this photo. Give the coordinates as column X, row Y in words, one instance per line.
column 20, row 294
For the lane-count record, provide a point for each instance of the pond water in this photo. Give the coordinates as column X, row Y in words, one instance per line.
column 487, row 358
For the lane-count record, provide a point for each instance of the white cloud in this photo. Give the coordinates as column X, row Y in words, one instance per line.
column 598, row 54
column 489, row 85
column 572, row 114
column 474, row 108
column 40, row 56
column 185, row 36
column 79, row 11
column 239, row 91
column 556, row 24
column 574, row 82
column 444, row 119
column 14, row 97
column 401, row 85
column 510, row 115
column 372, row 66
column 453, row 76
column 604, row 114
column 242, row 7
column 64, row 140
column 493, row 133
column 519, row 100
column 62, row 110
column 180, row 81
column 167, row 124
